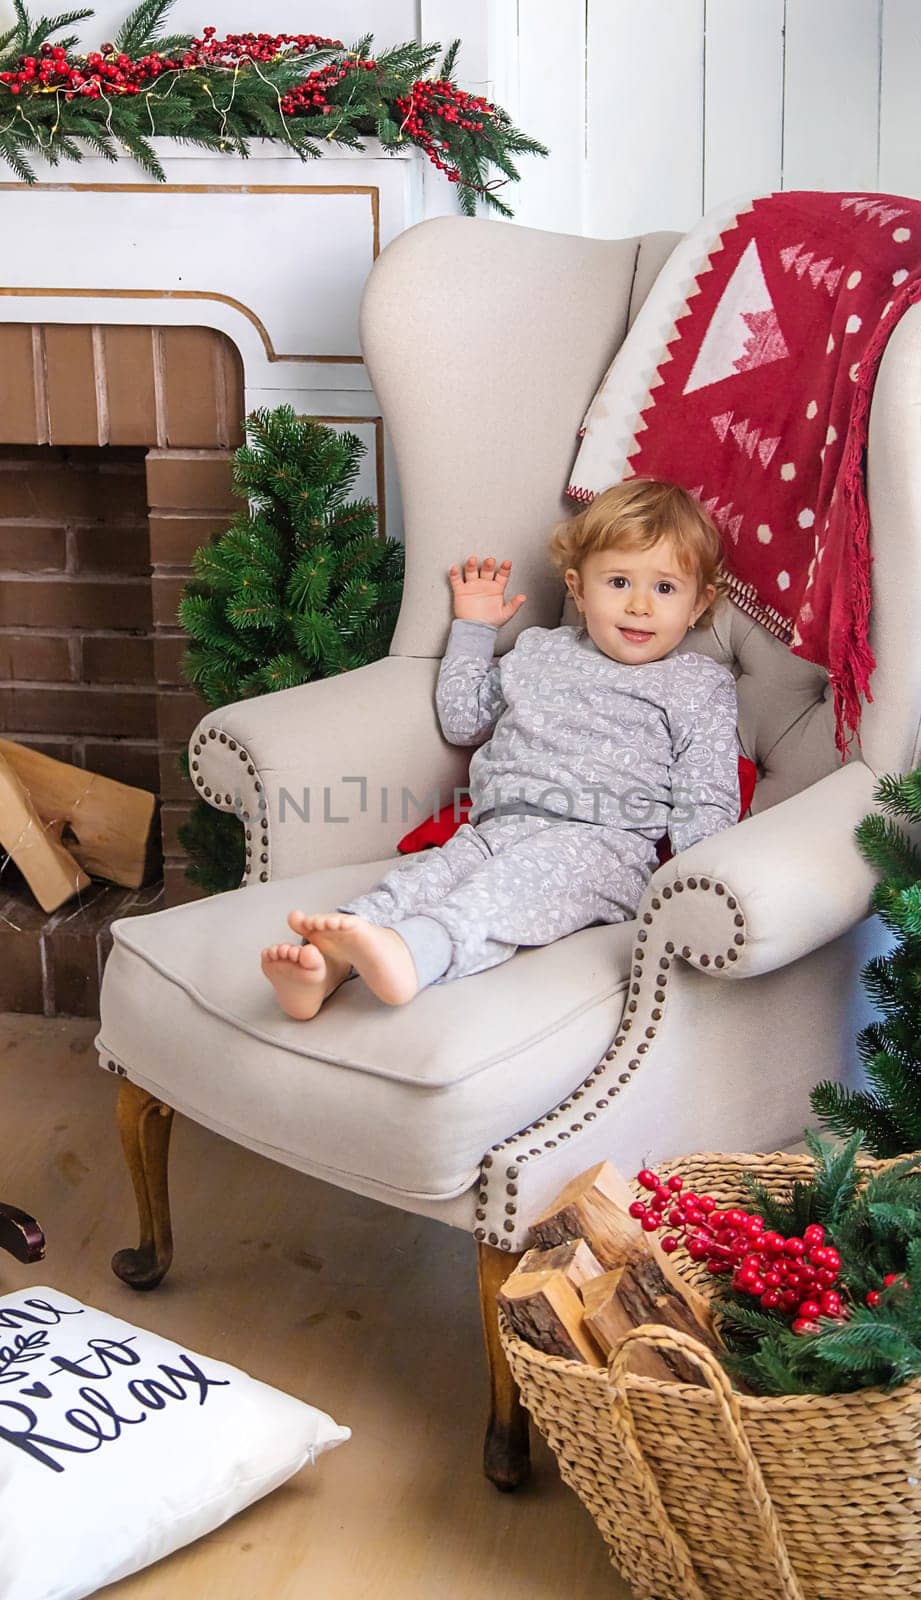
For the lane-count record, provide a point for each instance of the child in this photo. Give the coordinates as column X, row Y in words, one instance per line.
column 593, row 741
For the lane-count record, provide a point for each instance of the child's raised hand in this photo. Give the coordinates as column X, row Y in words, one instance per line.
column 479, row 592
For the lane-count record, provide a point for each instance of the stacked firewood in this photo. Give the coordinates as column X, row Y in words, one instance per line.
column 63, row 826
column 594, row 1274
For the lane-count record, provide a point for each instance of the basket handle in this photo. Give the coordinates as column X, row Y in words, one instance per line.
column 716, row 1379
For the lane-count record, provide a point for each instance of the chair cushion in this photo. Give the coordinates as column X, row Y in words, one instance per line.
column 409, row 1097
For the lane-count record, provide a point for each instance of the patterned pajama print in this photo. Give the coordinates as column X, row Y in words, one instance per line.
column 584, row 763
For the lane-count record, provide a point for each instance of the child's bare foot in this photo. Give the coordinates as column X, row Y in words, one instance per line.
column 302, row 977
column 378, row 955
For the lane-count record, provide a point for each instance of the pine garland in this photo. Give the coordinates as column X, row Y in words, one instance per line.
column 299, row 587
column 301, row 89
column 889, row 1111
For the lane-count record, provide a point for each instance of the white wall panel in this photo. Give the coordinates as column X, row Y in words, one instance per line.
column 900, row 99
column 645, row 115
column 831, row 98
column 551, row 107
column 743, row 98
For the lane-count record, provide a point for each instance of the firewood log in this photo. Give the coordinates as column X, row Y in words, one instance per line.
column 106, row 826
column 608, row 1318
column 545, row 1310
column 50, row 871
column 574, row 1259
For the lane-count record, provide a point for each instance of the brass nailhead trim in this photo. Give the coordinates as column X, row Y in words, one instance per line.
column 212, row 734
column 242, row 755
column 479, row 1233
column 601, row 1105
column 207, row 794
column 656, row 903
column 619, row 1039
column 656, row 1015
column 509, row 1228
column 679, row 887
column 494, row 1238
column 194, row 766
column 666, row 893
column 249, row 833
column 251, row 769
column 738, row 920
column 487, row 1161
column 670, row 947
column 641, row 1048
column 480, row 1216
column 705, row 883
column 659, row 994
column 509, row 1209
column 719, row 961
column 732, row 903
column 590, row 1116
column 692, row 883
column 512, row 1188
column 739, row 938
column 232, row 744
column 705, row 961
column 223, row 738
column 263, row 877
column 632, row 1065
column 647, row 916
column 505, row 1244
column 686, row 951
column 732, row 955
column 511, row 1172
column 720, row 889
column 651, row 1032
column 263, row 858
column 641, row 938
column 624, row 1077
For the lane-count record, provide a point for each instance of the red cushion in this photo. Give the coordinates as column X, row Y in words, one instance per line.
column 439, row 828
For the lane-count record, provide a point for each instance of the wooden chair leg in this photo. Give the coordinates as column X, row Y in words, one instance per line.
column 506, row 1451
column 144, row 1124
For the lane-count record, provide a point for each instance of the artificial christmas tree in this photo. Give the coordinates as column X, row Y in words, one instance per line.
column 888, row 1113
column 298, row 588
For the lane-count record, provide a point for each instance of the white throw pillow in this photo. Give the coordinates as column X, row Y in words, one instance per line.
column 117, row 1446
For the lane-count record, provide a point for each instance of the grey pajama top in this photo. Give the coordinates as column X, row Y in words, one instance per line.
column 565, row 730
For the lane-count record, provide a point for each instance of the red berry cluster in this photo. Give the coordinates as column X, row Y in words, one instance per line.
column 438, row 99
column 105, row 71
column 795, row 1276
column 209, row 51
column 313, row 94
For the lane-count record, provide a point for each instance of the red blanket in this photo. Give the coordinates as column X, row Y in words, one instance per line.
column 760, row 405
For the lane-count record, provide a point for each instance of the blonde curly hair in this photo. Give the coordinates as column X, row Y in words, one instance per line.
column 636, row 515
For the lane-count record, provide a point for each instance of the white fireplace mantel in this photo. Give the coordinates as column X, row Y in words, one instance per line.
column 272, row 251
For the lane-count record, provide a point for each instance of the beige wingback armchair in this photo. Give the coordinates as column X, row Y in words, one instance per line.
column 705, row 1022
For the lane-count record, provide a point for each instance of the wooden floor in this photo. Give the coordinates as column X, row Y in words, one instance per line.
column 364, row 1311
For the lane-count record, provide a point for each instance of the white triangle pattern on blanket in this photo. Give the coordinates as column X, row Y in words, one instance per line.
column 869, row 206
column 747, row 438
column 733, row 342
column 793, row 255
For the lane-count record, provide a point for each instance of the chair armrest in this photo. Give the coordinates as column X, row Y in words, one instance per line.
column 330, row 772
column 774, row 887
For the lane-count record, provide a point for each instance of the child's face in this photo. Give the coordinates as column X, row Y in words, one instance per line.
column 637, row 605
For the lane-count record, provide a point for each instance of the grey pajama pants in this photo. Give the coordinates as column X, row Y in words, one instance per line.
column 510, row 881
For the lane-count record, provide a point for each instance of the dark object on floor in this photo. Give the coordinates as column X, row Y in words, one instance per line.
column 20, row 1234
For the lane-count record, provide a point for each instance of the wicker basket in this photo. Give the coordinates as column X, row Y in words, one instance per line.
column 705, row 1494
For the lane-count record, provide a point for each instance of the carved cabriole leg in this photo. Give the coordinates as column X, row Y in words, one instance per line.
column 144, row 1124
column 506, row 1451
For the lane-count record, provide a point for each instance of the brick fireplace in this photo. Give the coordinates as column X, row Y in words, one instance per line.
column 115, row 456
